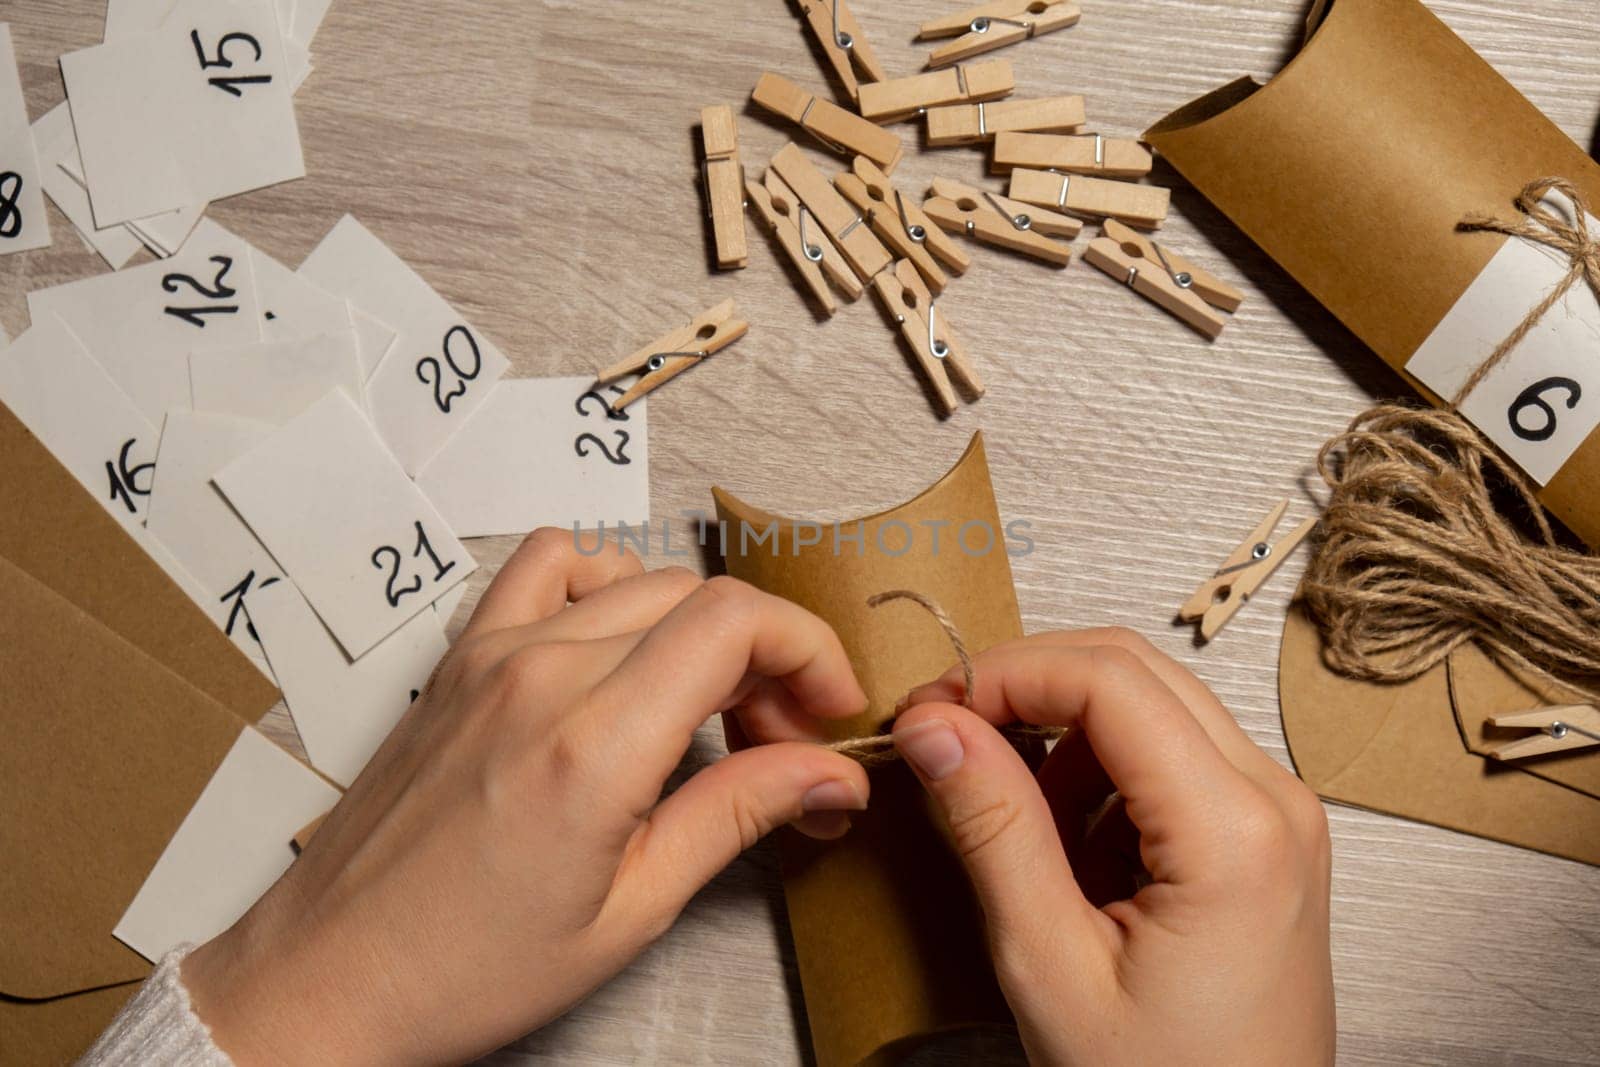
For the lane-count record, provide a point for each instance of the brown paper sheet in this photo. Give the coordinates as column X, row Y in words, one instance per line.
column 51, row 528
column 1397, row 749
column 887, row 931
column 1479, row 688
column 1352, row 166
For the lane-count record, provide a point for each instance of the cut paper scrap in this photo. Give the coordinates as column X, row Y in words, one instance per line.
column 196, row 110
column 273, row 381
column 23, row 225
column 339, row 515
column 342, row 710
column 190, row 518
column 54, row 140
column 140, row 324
column 292, row 306
column 89, row 425
column 439, row 370
column 1397, row 749
column 544, row 452
column 887, row 932
column 229, row 849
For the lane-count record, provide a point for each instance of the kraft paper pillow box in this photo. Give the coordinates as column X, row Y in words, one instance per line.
column 1352, row 167
column 118, row 699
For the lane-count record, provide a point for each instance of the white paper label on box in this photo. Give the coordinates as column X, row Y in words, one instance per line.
column 1543, row 400
column 543, row 452
column 141, row 324
column 339, row 515
column 86, row 422
column 342, row 710
column 273, row 381
column 214, row 115
column 439, row 368
column 229, row 849
column 22, row 220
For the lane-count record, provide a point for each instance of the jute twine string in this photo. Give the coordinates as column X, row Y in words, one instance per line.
column 1543, row 225
column 877, row 749
column 1414, row 558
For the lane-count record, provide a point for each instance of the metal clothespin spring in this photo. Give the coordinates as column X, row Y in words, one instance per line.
column 812, row 252
column 1259, row 551
column 1018, row 221
column 935, row 345
column 832, row 146
column 840, row 37
column 983, row 129
column 659, row 360
column 1558, row 730
column 1061, row 201
column 1181, row 278
column 982, row 23
column 913, row 231
column 1099, row 150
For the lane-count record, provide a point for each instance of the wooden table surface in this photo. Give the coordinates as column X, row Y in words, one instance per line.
column 535, row 161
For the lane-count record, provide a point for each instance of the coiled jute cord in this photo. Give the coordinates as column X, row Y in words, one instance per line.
column 876, row 749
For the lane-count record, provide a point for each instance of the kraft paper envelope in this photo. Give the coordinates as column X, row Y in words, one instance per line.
column 886, row 928
column 105, row 751
column 1397, row 749
column 52, row 529
column 1353, row 165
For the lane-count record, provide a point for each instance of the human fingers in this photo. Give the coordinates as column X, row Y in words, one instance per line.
column 550, row 567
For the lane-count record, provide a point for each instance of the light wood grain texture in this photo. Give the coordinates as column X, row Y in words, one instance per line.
column 490, row 147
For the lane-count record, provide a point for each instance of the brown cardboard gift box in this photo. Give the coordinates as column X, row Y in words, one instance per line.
column 118, row 698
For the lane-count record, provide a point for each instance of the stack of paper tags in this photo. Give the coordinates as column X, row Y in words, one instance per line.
column 302, row 451
column 185, row 102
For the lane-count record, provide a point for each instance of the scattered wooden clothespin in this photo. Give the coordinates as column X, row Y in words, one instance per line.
column 902, row 98
column 1221, row 596
column 995, row 25
column 837, row 129
column 959, row 124
column 723, row 176
column 901, row 223
column 1163, row 277
column 1002, row 222
column 671, row 354
column 810, row 250
column 940, row 355
column 842, row 41
column 1561, row 729
column 839, row 220
column 1137, row 205
column 1089, row 153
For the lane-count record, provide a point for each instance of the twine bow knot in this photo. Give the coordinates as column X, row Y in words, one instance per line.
column 1541, row 224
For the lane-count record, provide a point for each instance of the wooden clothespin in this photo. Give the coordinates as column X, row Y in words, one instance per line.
column 671, row 354
column 902, row 98
column 723, row 176
column 1129, row 202
column 1561, row 729
column 810, row 250
column 1002, row 222
column 839, row 220
column 1221, row 596
column 940, row 355
column 995, row 25
column 1163, row 277
column 1090, row 153
column 842, row 41
column 959, row 124
column 837, row 129
column 901, row 223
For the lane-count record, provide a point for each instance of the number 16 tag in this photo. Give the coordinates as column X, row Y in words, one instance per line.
column 338, row 513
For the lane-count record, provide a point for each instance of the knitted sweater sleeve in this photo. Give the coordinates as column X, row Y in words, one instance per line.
column 158, row 1026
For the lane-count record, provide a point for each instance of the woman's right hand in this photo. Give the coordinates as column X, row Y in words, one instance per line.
column 1222, row 955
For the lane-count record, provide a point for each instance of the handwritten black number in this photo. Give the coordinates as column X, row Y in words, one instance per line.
column 220, row 290
column 1533, row 397
column 605, row 405
column 10, row 193
column 463, row 375
column 390, row 590
column 125, row 479
column 440, row 569
column 620, row 459
column 228, row 84
column 415, row 693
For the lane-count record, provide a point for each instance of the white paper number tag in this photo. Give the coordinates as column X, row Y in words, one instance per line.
column 544, row 452
column 439, row 368
column 1543, row 399
column 336, row 511
column 22, row 221
column 273, row 381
